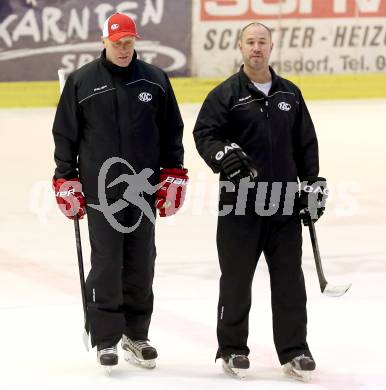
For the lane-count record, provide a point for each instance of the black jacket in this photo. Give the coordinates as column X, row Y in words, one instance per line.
column 276, row 131
column 109, row 111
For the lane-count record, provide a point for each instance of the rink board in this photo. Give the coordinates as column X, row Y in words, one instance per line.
column 194, row 90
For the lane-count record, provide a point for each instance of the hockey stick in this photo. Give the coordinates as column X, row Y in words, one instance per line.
column 82, row 280
column 325, row 287
column 62, row 81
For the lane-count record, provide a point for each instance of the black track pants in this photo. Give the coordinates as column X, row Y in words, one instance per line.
column 119, row 285
column 240, row 241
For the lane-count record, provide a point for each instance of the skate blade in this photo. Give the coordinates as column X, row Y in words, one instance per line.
column 237, row 373
column 131, row 358
column 86, row 340
column 107, row 370
column 303, row 376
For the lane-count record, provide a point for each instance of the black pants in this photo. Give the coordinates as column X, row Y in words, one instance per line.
column 119, row 285
column 240, row 241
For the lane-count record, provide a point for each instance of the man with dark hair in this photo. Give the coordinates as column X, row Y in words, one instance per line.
column 118, row 108
column 255, row 130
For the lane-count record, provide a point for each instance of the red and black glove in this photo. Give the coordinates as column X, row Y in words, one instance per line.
column 69, row 197
column 170, row 197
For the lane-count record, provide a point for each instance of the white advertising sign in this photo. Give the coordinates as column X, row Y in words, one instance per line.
column 310, row 37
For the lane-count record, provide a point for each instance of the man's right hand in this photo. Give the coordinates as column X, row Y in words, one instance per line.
column 69, row 197
column 236, row 165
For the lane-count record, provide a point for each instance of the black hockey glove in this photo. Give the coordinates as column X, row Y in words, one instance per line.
column 312, row 199
column 235, row 163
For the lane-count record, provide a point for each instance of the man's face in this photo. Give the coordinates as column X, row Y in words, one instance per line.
column 256, row 46
column 120, row 52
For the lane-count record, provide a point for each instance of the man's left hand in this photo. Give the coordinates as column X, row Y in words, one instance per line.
column 312, row 199
column 170, row 197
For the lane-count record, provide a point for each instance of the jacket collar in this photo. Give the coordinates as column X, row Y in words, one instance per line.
column 115, row 68
column 244, row 79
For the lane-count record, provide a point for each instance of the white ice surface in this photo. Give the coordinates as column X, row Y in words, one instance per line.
column 40, row 304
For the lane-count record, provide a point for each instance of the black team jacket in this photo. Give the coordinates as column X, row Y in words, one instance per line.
column 275, row 131
column 109, row 111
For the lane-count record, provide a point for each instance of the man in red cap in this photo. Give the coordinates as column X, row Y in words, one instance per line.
column 118, row 122
column 118, row 36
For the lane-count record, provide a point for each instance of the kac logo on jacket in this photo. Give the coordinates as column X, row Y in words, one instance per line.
column 145, row 97
column 284, row 106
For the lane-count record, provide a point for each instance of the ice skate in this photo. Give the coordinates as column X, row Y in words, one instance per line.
column 235, row 365
column 139, row 352
column 108, row 357
column 300, row 368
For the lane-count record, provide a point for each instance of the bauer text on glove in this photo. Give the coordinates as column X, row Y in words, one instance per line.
column 171, row 195
column 69, row 197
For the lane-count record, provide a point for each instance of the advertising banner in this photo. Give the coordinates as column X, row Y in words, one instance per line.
column 39, row 36
column 310, row 37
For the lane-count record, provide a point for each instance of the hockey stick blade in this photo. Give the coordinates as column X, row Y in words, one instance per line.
column 336, row 291
column 326, row 288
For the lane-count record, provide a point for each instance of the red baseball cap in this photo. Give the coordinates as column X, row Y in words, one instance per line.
column 118, row 26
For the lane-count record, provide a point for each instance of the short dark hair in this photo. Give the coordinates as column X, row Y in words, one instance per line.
column 255, row 24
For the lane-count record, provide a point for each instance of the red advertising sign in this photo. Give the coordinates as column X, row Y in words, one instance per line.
column 286, row 9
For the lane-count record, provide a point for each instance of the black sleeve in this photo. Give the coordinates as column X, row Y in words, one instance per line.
column 66, row 132
column 306, row 143
column 210, row 128
column 171, row 131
